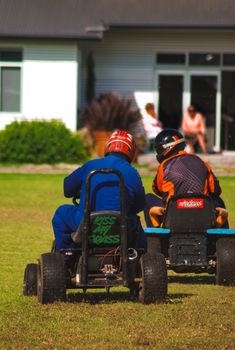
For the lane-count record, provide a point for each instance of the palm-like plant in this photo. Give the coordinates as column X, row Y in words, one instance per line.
column 109, row 112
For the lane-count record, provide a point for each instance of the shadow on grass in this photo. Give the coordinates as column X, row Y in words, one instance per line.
column 177, row 298
column 196, row 279
column 99, row 297
column 117, row 297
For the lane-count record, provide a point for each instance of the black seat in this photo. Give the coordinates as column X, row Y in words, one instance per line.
column 191, row 212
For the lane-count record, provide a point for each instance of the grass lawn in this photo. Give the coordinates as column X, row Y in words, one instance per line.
column 197, row 314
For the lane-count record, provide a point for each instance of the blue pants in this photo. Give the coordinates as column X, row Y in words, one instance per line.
column 66, row 220
column 64, row 224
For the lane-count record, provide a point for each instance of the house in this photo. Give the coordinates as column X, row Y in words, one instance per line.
column 170, row 52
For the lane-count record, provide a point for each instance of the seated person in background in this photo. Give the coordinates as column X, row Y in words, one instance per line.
column 179, row 173
column 119, row 153
column 193, row 126
column 152, row 125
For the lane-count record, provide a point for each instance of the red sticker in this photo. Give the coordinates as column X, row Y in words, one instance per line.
column 190, row 203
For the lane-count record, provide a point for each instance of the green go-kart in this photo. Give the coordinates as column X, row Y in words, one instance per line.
column 105, row 257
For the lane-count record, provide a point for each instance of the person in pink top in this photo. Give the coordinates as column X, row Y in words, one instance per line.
column 193, row 126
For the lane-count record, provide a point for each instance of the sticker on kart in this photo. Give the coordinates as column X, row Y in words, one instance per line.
column 190, row 203
column 103, row 231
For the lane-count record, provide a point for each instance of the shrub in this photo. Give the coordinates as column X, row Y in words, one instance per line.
column 109, row 112
column 40, row 142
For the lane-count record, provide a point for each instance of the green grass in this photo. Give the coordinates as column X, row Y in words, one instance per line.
column 197, row 314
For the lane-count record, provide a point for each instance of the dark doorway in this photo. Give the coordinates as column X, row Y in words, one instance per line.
column 228, row 111
column 170, row 100
column 203, row 97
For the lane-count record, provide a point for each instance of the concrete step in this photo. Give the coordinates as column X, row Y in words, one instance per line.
column 222, row 163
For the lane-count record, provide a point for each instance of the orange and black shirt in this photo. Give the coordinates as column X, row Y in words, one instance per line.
column 184, row 173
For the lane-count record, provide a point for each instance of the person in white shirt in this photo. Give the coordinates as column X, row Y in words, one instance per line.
column 152, row 125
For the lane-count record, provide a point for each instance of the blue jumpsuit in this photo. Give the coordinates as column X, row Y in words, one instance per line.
column 104, row 196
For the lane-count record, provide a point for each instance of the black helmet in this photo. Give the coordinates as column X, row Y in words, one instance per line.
column 167, row 143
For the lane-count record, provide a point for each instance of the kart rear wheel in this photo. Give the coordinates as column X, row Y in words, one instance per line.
column 153, row 287
column 51, row 278
column 30, row 280
column 225, row 266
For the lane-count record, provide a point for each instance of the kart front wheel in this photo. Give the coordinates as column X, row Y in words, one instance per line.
column 225, row 265
column 30, row 280
column 51, row 278
column 153, row 287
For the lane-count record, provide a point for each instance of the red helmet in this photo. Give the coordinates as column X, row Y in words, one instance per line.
column 122, row 142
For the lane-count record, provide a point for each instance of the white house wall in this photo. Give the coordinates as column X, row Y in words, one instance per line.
column 49, row 83
column 125, row 61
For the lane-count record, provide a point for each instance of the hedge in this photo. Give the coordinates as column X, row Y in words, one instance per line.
column 40, row 142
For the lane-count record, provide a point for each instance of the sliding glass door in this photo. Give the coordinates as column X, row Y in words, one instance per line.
column 176, row 90
column 170, row 98
column 205, row 95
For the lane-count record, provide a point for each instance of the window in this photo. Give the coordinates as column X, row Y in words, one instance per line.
column 229, row 59
column 10, row 89
column 10, row 55
column 10, row 80
column 174, row 58
column 204, row 59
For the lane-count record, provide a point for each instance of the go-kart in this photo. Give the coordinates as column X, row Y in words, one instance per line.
column 105, row 257
column 190, row 240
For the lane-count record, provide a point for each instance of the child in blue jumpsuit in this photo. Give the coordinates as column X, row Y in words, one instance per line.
column 120, row 151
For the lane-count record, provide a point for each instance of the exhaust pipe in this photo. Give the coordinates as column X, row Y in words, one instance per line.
column 132, row 254
column 132, row 265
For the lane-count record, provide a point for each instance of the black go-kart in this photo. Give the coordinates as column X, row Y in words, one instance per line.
column 190, row 241
column 105, row 257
